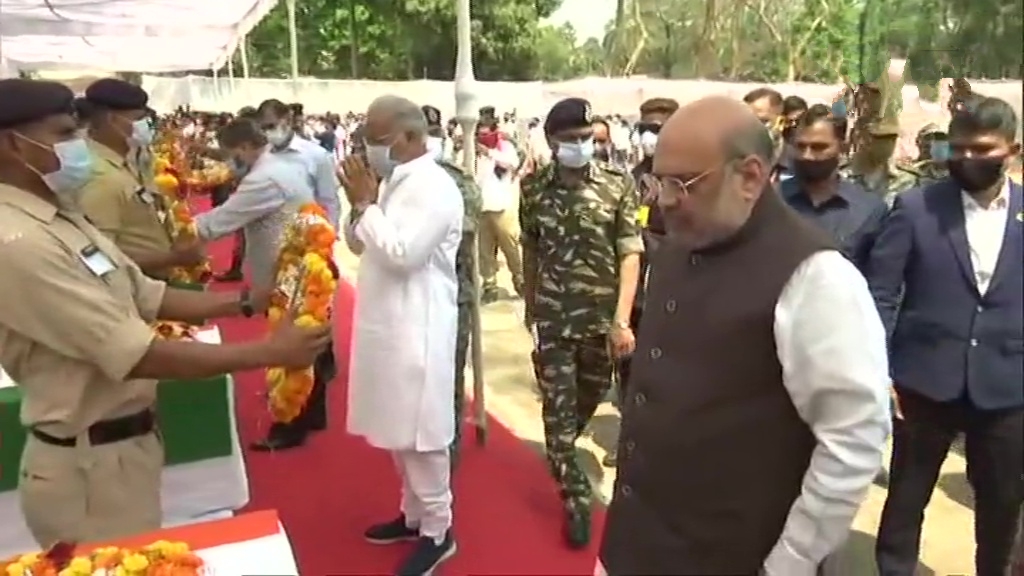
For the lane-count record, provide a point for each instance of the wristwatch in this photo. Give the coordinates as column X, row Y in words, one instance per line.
column 621, row 324
column 245, row 303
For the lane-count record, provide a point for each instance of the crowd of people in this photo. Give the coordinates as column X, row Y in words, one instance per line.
column 772, row 290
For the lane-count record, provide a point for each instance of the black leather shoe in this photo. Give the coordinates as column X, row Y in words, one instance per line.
column 229, row 276
column 277, row 443
column 576, row 528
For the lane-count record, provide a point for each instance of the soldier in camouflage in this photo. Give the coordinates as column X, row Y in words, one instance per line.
column 581, row 255
column 872, row 165
column 934, row 151
column 464, row 269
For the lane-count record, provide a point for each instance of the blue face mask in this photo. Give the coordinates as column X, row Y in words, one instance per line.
column 142, row 132
column 575, row 154
column 379, row 158
column 939, row 150
column 74, row 170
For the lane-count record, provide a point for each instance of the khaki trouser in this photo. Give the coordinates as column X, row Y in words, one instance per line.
column 91, row 493
column 499, row 232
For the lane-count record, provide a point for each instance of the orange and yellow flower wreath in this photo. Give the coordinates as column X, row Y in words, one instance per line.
column 306, row 273
column 158, row 559
column 183, row 226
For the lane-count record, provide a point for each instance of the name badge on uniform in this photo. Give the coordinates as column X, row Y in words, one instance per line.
column 96, row 261
column 145, row 196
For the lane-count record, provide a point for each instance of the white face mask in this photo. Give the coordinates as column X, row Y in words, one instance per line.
column 435, row 147
column 648, row 141
column 279, row 136
column 379, row 158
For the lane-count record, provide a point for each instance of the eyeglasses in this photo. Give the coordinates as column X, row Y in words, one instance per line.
column 672, row 185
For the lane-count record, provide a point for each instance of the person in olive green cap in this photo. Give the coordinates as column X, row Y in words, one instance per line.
column 873, row 166
column 934, row 151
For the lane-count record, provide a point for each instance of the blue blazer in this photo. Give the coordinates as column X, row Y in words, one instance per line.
column 945, row 338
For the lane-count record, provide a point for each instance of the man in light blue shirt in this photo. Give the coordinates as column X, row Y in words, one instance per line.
column 275, row 118
column 269, row 195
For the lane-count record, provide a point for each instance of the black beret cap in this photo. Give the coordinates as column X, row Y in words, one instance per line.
column 433, row 115
column 115, row 94
column 25, row 101
column 568, row 114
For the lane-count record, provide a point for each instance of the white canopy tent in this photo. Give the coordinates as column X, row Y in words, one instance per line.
column 125, row 35
column 148, row 53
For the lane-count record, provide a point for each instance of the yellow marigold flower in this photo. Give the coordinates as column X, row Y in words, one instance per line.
column 29, row 559
column 165, row 182
column 15, row 569
column 80, row 566
column 135, row 563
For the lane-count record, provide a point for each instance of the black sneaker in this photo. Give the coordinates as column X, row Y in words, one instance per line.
column 391, row 532
column 427, row 556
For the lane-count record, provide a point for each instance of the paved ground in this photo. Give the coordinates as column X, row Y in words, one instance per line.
column 947, row 543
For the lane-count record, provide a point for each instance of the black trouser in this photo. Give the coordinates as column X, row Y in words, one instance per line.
column 995, row 471
column 314, row 415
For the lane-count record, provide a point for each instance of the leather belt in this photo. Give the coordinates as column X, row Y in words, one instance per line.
column 107, row 431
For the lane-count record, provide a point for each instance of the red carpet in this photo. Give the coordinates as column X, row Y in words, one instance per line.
column 507, row 515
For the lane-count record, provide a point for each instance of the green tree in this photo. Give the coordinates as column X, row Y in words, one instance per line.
column 406, row 39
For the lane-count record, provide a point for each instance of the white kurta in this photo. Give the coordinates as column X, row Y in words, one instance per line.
column 402, row 373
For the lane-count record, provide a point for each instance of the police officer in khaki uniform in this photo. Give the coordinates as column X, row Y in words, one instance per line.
column 119, row 197
column 74, row 334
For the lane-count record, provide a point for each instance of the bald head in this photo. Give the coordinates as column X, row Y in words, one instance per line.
column 719, row 129
column 713, row 160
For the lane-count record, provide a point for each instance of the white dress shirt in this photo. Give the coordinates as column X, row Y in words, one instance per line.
column 497, row 192
column 318, row 166
column 985, row 228
column 831, row 345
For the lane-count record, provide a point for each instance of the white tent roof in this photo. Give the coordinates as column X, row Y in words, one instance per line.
column 137, row 35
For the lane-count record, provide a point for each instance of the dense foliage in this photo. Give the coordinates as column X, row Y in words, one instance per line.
column 762, row 40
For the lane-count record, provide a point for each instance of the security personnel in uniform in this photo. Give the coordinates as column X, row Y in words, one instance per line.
column 467, row 298
column 119, row 198
column 933, row 146
column 581, row 256
column 653, row 114
column 76, row 339
column 872, row 165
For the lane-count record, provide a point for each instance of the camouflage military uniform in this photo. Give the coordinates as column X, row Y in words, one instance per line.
column 897, row 179
column 574, row 238
column 464, row 272
column 930, row 171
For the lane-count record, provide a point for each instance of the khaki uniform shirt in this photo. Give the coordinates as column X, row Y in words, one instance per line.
column 120, row 203
column 73, row 319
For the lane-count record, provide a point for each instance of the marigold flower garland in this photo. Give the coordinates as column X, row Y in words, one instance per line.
column 157, row 559
column 305, row 272
column 183, row 226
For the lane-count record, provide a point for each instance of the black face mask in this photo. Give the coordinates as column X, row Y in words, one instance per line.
column 976, row 174
column 808, row 170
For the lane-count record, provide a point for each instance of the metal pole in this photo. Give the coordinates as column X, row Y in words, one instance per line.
column 293, row 42
column 467, row 113
column 231, row 72
column 243, row 53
